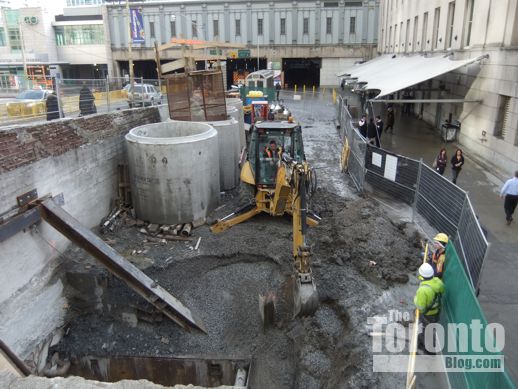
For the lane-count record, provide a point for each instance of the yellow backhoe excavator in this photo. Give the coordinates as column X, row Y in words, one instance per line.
column 276, row 168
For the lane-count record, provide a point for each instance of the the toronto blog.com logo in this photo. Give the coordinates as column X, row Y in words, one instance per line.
column 453, row 347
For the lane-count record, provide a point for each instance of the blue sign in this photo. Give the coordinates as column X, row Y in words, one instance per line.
column 136, row 25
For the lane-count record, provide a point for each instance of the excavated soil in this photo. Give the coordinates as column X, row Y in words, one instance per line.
column 357, row 252
column 361, row 261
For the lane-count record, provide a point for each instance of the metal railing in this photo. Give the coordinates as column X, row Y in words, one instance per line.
column 74, row 97
column 442, row 204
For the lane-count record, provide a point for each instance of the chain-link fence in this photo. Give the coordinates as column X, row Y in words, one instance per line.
column 32, row 99
column 444, row 206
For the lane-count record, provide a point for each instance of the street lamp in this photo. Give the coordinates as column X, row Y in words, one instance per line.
column 195, row 25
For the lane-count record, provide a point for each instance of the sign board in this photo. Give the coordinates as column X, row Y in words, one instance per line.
column 243, row 53
column 216, row 52
column 136, row 25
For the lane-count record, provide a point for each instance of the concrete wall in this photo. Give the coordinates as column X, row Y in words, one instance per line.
column 76, row 157
column 75, row 54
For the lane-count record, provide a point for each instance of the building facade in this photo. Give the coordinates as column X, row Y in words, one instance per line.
column 309, row 40
column 465, row 29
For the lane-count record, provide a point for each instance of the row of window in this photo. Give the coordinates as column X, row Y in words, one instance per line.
column 394, row 42
column 13, row 34
column 260, row 27
column 79, row 35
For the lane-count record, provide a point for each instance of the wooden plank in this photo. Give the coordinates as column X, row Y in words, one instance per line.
column 174, row 65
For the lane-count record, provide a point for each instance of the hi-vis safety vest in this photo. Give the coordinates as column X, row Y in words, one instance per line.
column 428, row 296
column 438, row 262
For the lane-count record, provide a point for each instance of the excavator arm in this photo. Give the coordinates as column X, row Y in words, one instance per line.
column 305, row 293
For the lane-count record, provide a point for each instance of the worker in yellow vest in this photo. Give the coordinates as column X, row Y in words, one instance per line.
column 438, row 257
column 428, row 298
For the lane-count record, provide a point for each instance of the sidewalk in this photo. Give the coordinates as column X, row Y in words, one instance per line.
column 498, row 286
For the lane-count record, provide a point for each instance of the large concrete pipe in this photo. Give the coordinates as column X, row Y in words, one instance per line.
column 239, row 116
column 174, row 171
column 229, row 152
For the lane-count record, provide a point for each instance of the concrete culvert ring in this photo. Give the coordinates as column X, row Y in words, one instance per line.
column 187, row 187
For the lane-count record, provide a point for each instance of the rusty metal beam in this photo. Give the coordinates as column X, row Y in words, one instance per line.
column 18, row 223
column 14, row 361
column 62, row 221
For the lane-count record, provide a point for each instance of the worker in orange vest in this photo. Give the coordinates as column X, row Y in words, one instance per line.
column 438, row 257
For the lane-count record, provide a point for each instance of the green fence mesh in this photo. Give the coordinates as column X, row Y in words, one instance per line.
column 460, row 306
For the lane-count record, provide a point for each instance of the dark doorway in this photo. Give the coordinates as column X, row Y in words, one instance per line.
column 147, row 69
column 301, row 71
column 239, row 68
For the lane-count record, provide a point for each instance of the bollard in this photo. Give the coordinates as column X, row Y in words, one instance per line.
column 323, row 92
column 295, row 90
column 304, row 88
column 314, row 90
column 334, row 96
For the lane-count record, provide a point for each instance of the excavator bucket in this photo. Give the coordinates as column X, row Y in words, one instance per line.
column 305, row 297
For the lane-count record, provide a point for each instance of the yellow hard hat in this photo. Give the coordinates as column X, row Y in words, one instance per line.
column 441, row 237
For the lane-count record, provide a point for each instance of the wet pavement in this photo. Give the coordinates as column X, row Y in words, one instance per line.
column 498, row 294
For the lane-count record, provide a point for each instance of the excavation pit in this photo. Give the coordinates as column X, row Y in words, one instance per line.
column 165, row 371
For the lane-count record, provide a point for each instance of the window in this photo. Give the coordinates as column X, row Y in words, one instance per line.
column 173, row 28
column 414, row 38
column 436, row 19
column 329, row 25
column 2, row 36
column 503, row 119
column 259, row 26
column 352, row 25
column 92, row 34
column 152, row 30
column 305, row 26
column 238, row 27
column 14, row 39
column 449, row 27
column 194, row 26
column 425, row 28
column 215, row 27
column 283, row 26
column 468, row 22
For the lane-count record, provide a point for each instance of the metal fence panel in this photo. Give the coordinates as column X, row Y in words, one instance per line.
column 439, row 201
column 471, row 243
column 404, row 185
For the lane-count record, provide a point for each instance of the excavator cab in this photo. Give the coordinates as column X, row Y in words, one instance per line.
column 261, row 165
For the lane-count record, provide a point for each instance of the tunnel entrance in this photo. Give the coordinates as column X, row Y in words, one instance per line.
column 301, row 71
column 164, row 371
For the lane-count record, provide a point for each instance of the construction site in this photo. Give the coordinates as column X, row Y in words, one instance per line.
column 209, row 242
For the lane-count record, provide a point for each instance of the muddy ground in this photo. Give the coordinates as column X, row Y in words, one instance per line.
column 361, row 262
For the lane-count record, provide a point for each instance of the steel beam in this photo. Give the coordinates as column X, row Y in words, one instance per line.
column 62, row 221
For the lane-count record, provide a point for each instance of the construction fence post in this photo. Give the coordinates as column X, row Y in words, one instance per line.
column 58, row 95
column 107, row 93
column 416, row 193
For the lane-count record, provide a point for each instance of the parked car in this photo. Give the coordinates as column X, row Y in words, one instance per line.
column 29, row 103
column 143, row 94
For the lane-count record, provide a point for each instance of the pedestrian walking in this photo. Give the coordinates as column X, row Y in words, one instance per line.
column 428, row 300
column 86, row 101
column 342, row 84
column 362, row 125
column 372, row 133
column 278, row 90
column 52, row 106
column 379, row 128
column 441, row 161
column 510, row 194
column 390, row 120
column 457, row 161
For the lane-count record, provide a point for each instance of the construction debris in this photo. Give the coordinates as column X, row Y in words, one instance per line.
column 197, row 243
column 186, row 230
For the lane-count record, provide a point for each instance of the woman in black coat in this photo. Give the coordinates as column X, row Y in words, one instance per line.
column 441, row 161
column 456, row 164
column 52, row 106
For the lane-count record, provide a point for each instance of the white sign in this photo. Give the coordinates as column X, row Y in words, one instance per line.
column 376, row 159
column 390, row 167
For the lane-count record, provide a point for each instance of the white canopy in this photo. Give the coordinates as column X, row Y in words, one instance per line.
column 391, row 73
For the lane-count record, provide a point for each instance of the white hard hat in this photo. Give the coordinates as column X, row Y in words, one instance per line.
column 426, row 270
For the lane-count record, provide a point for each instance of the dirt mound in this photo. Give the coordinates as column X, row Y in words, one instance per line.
column 356, row 251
